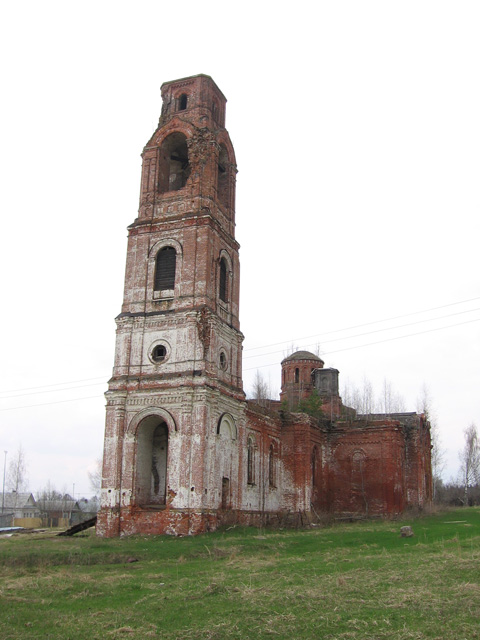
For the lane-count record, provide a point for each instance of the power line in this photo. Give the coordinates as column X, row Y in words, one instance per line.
column 45, row 404
column 367, row 333
column 34, row 393
column 365, row 324
column 369, row 344
column 360, row 346
column 48, row 387
column 55, row 384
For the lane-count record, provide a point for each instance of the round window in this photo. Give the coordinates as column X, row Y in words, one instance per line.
column 159, row 353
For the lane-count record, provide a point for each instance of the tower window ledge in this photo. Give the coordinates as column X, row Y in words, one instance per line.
column 225, row 306
column 153, row 507
column 224, row 313
column 166, row 294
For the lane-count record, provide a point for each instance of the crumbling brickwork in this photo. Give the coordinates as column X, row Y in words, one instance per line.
column 184, row 451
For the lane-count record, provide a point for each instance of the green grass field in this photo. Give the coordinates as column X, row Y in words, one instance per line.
column 356, row 581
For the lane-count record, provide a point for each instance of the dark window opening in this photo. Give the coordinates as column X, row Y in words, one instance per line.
column 182, row 102
column 159, row 353
column 173, row 165
column 250, row 463
column 159, row 464
column 222, row 176
column 223, row 361
column 271, row 467
column 165, row 269
column 226, row 493
column 297, row 375
column 223, row 280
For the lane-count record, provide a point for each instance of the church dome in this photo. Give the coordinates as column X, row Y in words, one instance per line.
column 302, row 355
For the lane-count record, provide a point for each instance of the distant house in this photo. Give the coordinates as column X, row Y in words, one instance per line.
column 88, row 507
column 61, row 511
column 16, row 507
column 22, row 505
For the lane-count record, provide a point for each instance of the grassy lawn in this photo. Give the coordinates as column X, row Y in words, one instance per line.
column 356, row 581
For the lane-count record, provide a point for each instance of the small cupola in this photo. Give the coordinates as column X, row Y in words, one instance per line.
column 298, row 372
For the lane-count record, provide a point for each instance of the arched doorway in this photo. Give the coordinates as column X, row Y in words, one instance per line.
column 226, row 453
column 151, row 462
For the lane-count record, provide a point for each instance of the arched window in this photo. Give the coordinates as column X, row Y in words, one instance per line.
column 358, row 461
column 223, row 176
column 173, row 165
column 165, row 269
column 223, row 361
column 182, row 102
column 250, row 462
column 297, row 375
column 226, row 427
column 223, row 292
column 271, row 466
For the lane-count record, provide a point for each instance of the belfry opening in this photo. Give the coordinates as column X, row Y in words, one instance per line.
column 174, row 168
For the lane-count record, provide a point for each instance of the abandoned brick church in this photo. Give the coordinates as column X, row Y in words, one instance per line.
column 184, row 450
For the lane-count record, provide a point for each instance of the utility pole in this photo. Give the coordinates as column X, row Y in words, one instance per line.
column 4, row 470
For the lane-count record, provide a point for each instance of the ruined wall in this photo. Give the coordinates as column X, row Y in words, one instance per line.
column 366, row 469
column 419, row 490
column 298, row 467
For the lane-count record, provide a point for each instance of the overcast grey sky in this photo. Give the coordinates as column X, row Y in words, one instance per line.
column 357, row 136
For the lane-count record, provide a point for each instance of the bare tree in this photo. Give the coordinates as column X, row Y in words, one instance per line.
column 17, row 479
column 368, row 398
column 361, row 399
column 347, row 393
column 425, row 406
column 391, row 401
column 260, row 390
column 49, row 492
column 317, row 350
column 470, row 461
column 387, row 396
column 95, row 477
column 292, row 348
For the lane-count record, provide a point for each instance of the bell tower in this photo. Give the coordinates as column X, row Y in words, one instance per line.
column 176, row 392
